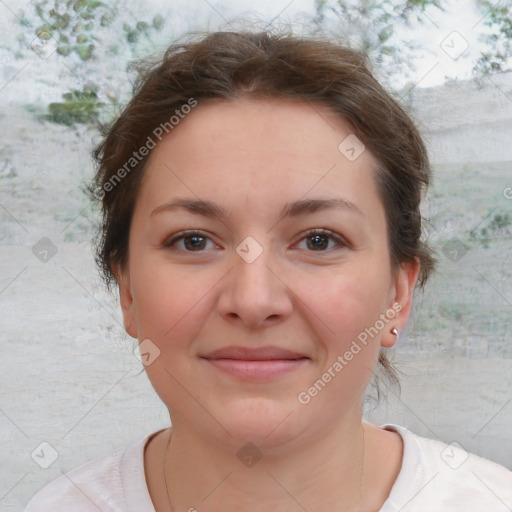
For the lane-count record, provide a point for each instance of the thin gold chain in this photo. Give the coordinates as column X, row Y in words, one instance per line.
column 360, row 477
column 362, row 473
column 165, row 471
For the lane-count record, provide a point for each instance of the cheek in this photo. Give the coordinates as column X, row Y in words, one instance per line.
column 169, row 304
column 342, row 316
column 344, row 303
column 171, row 311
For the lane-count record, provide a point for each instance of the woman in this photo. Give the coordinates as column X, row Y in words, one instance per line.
column 261, row 221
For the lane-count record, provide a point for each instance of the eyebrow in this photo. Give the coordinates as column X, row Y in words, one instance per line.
column 301, row 207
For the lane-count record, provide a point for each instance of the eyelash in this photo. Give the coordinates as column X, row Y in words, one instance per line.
column 341, row 242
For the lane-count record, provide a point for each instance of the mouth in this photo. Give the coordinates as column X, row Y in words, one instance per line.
column 255, row 363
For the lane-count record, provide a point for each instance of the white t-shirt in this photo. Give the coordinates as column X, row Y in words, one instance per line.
column 434, row 477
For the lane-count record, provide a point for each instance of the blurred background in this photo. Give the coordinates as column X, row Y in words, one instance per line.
column 71, row 387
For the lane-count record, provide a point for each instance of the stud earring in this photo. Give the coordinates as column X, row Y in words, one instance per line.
column 395, row 332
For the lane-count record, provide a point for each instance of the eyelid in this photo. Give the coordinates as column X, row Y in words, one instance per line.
column 171, row 240
column 340, row 240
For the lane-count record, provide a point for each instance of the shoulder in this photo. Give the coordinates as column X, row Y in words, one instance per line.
column 445, row 476
column 111, row 483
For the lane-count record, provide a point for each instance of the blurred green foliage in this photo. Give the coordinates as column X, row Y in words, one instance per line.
column 78, row 107
column 498, row 17
column 370, row 24
column 497, row 229
column 73, row 24
column 80, row 28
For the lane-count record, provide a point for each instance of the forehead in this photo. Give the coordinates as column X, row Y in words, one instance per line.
column 260, row 151
column 250, row 123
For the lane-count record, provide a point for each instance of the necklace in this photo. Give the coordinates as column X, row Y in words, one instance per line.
column 360, row 477
column 362, row 471
column 165, row 471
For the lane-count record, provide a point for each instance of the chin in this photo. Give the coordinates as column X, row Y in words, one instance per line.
column 262, row 422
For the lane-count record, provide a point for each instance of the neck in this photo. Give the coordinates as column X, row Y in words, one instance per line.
column 327, row 474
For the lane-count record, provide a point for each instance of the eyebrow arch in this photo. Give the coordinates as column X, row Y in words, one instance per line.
column 301, row 207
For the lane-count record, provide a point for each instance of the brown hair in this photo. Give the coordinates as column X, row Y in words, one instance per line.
column 226, row 65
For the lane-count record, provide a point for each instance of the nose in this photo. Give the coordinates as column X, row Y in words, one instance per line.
column 255, row 292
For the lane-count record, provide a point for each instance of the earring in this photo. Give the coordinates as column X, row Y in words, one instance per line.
column 395, row 332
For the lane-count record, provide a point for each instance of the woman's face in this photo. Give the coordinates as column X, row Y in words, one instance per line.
column 239, row 320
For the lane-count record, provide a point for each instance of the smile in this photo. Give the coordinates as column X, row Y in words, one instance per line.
column 259, row 363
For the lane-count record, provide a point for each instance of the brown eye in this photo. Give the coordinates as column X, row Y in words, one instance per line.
column 318, row 240
column 193, row 241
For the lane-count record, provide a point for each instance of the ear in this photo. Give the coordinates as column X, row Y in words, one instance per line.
column 401, row 300
column 126, row 299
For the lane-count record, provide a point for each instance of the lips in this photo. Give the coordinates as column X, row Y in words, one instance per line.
column 255, row 364
column 268, row 353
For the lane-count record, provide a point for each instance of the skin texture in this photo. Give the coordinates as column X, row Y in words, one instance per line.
column 251, row 157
